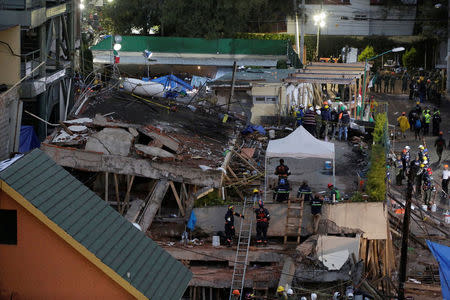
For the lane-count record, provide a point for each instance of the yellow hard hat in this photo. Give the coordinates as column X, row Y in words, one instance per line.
column 422, row 165
column 326, row 106
column 280, row 289
column 255, row 191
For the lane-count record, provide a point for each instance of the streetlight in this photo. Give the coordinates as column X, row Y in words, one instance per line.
column 397, row 49
column 319, row 21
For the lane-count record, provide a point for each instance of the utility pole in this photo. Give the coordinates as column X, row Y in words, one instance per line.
column 297, row 43
column 405, row 236
column 302, row 36
column 233, row 77
column 448, row 51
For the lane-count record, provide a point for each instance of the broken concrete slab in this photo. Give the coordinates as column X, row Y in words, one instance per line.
column 102, row 121
column 134, row 210
column 156, row 134
column 154, row 203
column 114, row 141
column 153, row 151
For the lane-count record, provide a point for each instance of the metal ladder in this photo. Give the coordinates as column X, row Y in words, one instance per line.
column 243, row 245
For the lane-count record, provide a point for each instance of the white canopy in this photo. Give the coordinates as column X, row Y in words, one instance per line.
column 300, row 144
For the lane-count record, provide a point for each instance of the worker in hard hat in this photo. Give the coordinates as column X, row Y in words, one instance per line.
column 428, row 186
column 281, row 293
column 229, row 224
column 304, row 191
column 309, row 120
column 334, row 193
column 282, row 170
column 419, row 178
column 299, row 114
column 256, row 195
column 316, row 211
column 399, row 170
column 403, row 123
column 421, row 153
column 325, row 113
column 290, row 294
column 313, row 296
column 445, row 179
column 406, row 159
column 262, row 223
column 236, row 294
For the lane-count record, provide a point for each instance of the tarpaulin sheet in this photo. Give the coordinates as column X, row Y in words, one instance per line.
column 172, row 82
column 442, row 255
column 28, row 139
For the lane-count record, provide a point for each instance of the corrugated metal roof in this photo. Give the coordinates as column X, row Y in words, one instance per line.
column 135, row 43
column 99, row 228
column 263, row 75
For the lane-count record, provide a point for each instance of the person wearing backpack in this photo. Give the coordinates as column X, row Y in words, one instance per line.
column 335, row 194
column 417, row 128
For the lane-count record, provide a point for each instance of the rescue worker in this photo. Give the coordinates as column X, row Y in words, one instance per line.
column 335, row 194
column 309, row 120
column 421, row 153
column 426, row 121
column 344, row 122
column 262, row 223
column 236, row 294
column 405, row 79
column 319, row 122
column 417, row 128
column 316, row 211
column 445, row 178
column 440, row 145
column 414, row 167
column 304, row 191
column 334, row 122
column 282, row 170
column 386, row 79
column 392, row 80
column 326, row 118
column 436, row 121
column 229, row 224
column 428, row 186
column 299, row 114
column 399, row 170
column 419, row 178
column 403, row 123
column 282, row 190
column 281, row 293
column 256, row 196
column 290, row 294
column 406, row 157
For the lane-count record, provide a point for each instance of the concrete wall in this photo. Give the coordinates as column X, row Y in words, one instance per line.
column 10, row 120
column 267, row 109
column 9, row 63
column 368, row 217
column 43, row 266
column 381, row 19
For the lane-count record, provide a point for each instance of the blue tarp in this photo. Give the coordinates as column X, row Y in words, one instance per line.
column 28, row 139
column 252, row 128
column 442, row 255
column 192, row 221
column 173, row 82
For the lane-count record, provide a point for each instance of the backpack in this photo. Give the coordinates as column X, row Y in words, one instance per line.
column 418, row 124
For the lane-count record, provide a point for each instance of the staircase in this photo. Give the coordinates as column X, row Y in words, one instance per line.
column 243, row 245
column 294, row 217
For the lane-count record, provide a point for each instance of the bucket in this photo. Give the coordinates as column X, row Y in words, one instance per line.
column 216, row 240
column 424, row 207
column 328, row 165
column 434, row 207
column 271, row 134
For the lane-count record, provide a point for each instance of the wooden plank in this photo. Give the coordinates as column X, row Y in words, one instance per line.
column 422, row 287
column 127, row 195
column 177, row 198
column 134, row 210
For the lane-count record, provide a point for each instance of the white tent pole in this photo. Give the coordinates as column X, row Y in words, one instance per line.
column 334, row 171
column 265, row 180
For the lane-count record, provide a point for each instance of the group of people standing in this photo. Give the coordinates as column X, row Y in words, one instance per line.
column 419, row 121
column 324, row 122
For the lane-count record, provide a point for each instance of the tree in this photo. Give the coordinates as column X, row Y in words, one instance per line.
column 409, row 59
column 368, row 52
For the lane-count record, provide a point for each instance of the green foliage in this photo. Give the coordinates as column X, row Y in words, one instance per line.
column 357, row 197
column 86, row 58
column 431, row 20
column 409, row 59
column 282, row 64
column 209, row 200
column 376, row 183
column 368, row 52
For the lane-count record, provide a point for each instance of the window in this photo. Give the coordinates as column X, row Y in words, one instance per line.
column 8, row 227
column 360, row 17
column 265, row 99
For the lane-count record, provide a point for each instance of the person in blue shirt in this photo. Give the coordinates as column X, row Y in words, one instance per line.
column 300, row 112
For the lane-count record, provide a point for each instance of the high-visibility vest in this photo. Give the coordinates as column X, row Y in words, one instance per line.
column 427, row 118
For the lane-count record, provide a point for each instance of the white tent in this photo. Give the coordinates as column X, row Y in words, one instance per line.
column 300, row 144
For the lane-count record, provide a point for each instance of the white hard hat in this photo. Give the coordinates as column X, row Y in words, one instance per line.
column 311, row 108
column 313, row 296
column 318, row 112
column 317, row 107
column 303, row 298
column 290, row 292
column 407, row 147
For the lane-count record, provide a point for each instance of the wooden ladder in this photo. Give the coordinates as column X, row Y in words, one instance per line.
column 294, row 217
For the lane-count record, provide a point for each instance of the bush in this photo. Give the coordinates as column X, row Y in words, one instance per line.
column 368, row 52
column 409, row 59
column 376, row 178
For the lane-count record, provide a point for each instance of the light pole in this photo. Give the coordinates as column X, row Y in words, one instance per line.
column 398, row 49
column 319, row 21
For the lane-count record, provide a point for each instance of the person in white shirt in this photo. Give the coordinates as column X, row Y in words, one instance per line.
column 445, row 179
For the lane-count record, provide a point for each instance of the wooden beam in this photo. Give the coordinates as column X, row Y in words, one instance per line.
column 134, row 210
column 106, row 186
column 245, row 160
column 154, row 203
column 180, row 205
column 127, row 195
column 116, row 185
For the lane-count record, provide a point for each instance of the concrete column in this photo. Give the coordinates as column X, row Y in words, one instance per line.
column 42, row 98
column 16, row 121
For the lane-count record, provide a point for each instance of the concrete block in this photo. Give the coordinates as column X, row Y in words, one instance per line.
column 153, row 151
column 114, row 141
